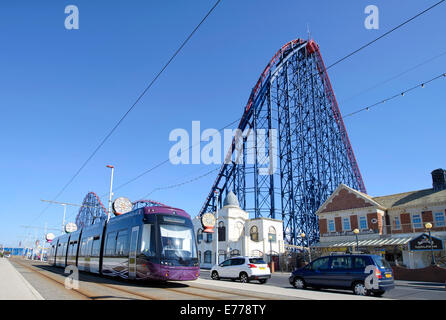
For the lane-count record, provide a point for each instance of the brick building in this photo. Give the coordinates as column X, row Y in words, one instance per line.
column 386, row 224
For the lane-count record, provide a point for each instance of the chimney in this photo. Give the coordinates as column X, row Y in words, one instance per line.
column 439, row 179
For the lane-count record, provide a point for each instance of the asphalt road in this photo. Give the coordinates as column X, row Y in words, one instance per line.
column 404, row 290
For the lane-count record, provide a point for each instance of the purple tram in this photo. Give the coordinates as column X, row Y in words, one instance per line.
column 150, row 243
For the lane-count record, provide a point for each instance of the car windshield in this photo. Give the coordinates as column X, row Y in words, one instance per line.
column 382, row 263
column 178, row 244
column 256, row 261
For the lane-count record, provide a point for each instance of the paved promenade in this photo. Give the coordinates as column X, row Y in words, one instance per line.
column 12, row 284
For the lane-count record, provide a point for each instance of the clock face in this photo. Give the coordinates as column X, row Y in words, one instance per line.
column 122, row 205
column 208, row 220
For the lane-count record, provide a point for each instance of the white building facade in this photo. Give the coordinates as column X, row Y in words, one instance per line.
column 238, row 235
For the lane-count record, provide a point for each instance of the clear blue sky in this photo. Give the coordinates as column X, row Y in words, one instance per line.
column 61, row 92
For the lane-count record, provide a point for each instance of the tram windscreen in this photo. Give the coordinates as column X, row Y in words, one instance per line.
column 178, row 245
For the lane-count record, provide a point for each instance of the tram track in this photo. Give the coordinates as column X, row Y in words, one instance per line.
column 86, row 294
column 89, row 295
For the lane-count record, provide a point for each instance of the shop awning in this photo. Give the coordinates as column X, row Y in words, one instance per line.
column 364, row 243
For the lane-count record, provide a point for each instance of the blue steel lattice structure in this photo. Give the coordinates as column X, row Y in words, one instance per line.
column 92, row 211
column 294, row 97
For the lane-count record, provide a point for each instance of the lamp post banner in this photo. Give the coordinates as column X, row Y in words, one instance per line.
column 422, row 243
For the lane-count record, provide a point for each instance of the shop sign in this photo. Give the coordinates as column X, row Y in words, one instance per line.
column 423, row 242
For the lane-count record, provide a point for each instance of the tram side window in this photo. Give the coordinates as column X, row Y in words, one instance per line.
column 111, row 244
column 70, row 249
column 82, row 249
column 59, row 250
column 148, row 240
column 96, row 250
column 89, row 246
column 121, row 244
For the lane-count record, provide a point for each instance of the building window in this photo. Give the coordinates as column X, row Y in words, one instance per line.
column 396, row 223
column 272, row 234
column 346, row 224
column 362, row 223
column 416, row 219
column 439, row 219
column 254, row 233
column 331, row 226
column 199, row 255
column 208, row 256
column 208, row 237
column 199, row 235
column 221, row 231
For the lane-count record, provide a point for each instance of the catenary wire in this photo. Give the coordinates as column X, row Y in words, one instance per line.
column 385, row 34
column 330, row 66
column 400, row 94
column 131, row 108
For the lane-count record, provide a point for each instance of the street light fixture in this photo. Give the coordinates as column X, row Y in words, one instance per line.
column 270, row 238
column 356, row 232
column 429, row 227
column 111, row 192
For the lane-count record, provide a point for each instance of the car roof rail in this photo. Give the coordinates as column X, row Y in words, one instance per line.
column 340, row 253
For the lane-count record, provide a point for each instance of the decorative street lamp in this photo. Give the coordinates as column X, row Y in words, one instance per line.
column 429, row 227
column 111, row 192
column 217, row 193
column 356, row 231
column 270, row 238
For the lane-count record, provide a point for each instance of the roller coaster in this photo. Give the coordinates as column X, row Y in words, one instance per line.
column 294, row 96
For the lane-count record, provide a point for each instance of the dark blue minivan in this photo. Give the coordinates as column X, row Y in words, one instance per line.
column 363, row 274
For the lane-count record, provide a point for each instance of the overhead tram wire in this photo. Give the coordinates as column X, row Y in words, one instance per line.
column 421, row 85
column 396, row 76
column 160, row 164
column 131, row 108
column 330, row 66
column 385, row 34
column 181, row 183
column 167, row 160
column 400, row 94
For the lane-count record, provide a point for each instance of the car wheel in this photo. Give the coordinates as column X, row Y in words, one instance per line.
column 215, row 276
column 244, row 277
column 299, row 283
column 262, row 281
column 360, row 289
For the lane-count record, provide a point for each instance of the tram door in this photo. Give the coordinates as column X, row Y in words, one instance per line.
column 132, row 252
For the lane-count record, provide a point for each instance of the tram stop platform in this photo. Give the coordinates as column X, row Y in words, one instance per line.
column 13, row 286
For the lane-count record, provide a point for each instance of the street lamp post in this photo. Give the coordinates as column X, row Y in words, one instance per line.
column 216, row 223
column 429, row 227
column 270, row 238
column 356, row 232
column 63, row 219
column 111, row 192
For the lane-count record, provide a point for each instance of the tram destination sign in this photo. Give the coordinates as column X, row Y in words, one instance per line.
column 422, row 243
